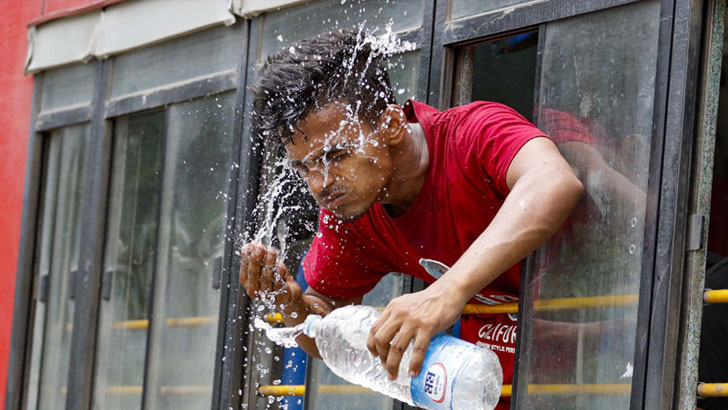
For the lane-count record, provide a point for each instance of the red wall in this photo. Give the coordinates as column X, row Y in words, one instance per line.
column 16, row 93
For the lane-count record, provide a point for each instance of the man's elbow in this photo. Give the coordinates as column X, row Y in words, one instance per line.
column 561, row 185
column 575, row 187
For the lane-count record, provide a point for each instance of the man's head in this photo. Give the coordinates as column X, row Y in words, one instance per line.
column 329, row 101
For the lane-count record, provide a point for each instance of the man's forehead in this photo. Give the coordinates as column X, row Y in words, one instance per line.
column 331, row 125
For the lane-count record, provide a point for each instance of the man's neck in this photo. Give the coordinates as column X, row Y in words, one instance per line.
column 410, row 162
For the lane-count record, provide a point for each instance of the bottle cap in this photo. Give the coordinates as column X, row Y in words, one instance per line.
column 310, row 325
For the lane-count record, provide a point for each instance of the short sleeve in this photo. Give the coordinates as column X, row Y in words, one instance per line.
column 339, row 263
column 488, row 138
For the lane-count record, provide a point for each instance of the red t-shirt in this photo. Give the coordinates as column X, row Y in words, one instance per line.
column 470, row 149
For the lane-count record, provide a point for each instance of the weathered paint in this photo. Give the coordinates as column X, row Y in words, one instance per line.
column 695, row 275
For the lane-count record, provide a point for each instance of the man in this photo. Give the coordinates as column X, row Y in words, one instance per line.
column 476, row 187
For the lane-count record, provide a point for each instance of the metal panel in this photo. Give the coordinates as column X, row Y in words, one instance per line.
column 136, row 24
column 667, row 281
column 17, row 362
column 686, row 375
column 520, row 16
column 160, row 97
column 88, row 285
column 56, row 119
column 234, row 303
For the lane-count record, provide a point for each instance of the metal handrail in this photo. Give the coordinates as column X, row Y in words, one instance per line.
column 716, row 296
column 587, row 302
column 192, row 321
column 506, row 391
column 712, row 389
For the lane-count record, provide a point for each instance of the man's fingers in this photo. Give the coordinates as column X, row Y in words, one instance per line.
column 371, row 345
column 419, row 349
column 399, row 344
column 256, row 259
column 268, row 270
column 384, row 336
column 318, row 305
column 244, row 259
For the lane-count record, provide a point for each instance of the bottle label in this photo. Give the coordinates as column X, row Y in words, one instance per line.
column 432, row 388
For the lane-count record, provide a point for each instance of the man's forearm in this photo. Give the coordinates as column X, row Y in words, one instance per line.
column 533, row 211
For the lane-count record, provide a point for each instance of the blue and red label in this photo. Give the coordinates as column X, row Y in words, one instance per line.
column 432, row 387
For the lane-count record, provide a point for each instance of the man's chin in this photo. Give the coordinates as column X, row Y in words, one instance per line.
column 348, row 215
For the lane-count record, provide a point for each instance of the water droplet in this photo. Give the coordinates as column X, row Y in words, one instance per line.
column 632, row 249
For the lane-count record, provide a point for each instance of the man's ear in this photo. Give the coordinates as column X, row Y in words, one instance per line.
column 394, row 124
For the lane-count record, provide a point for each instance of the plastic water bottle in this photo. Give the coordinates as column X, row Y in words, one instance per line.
column 455, row 374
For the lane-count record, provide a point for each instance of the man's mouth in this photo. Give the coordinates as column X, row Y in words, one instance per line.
column 334, row 200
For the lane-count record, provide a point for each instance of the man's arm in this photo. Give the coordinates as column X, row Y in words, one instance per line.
column 544, row 191
column 260, row 275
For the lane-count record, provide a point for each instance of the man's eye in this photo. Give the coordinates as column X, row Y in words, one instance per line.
column 300, row 169
column 336, row 154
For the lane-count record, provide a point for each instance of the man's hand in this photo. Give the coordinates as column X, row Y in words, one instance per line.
column 264, row 278
column 419, row 316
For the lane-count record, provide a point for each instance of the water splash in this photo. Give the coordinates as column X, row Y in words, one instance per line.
column 283, row 336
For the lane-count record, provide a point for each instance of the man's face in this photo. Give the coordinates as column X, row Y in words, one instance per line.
column 343, row 159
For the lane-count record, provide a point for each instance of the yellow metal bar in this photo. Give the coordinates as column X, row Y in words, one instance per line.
column 716, row 296
column 125, row 390
column 473, row 309
column 184, row 390
column 589, row 302
column 143, row 324
column 591, row 389
column 300, row 390
column 712, row 389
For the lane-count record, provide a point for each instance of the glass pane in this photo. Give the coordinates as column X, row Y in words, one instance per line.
column 64, row 258
column 596, row 102
column 198, row 168
column 465, row 8
column 67, row 86
column 296, row 23
column 321, row 396
column 47, row 218
column 403, row 74
column 187, row 58
column 502, row 71
column 130, row 255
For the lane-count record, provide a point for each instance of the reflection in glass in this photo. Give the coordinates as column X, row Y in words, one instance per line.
column 296, row 23
column 197, row 172
column 596, row 103
column 60, row 249
column 129, row 261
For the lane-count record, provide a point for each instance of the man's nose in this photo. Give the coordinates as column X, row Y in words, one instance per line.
column 318, row 181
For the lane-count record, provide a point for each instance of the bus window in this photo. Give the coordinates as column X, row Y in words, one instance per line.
column 595, row 100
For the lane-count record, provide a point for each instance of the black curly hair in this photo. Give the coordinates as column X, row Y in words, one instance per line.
column 338, row 66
